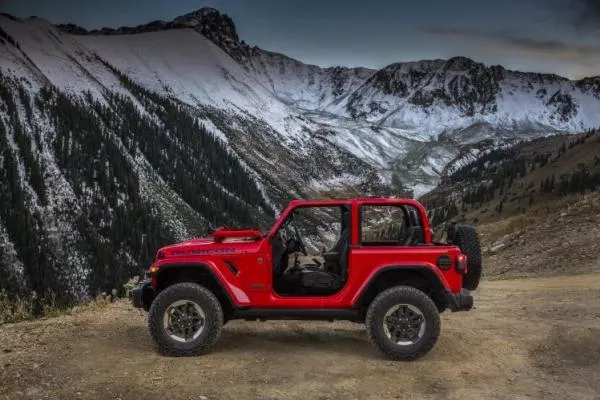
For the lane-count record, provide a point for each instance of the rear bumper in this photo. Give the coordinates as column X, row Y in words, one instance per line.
column 143, row 295
column 462, row 301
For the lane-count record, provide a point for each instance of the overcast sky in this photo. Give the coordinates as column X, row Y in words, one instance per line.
column 557, row 36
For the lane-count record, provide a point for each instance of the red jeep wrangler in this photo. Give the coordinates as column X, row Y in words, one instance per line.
column 364, row 260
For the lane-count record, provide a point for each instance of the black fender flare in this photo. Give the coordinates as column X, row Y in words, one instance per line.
column 191, row 271
column 428, row 273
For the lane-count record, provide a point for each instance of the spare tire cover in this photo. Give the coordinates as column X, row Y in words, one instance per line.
column 466, row 238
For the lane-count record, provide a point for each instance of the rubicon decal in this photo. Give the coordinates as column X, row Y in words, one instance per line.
column 195, row 252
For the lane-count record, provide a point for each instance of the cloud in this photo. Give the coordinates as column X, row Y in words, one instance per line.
column 575, row 60
column 554, row 47
column 550, row 49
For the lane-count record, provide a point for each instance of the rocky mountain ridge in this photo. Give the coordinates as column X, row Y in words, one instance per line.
column 401, row 92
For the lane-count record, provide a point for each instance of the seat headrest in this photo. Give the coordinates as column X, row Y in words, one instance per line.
column 414, row 236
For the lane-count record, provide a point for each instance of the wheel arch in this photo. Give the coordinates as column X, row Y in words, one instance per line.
column 420, row 277
column 199, row 273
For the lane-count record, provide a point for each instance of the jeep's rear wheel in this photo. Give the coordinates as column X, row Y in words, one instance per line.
column 403, row 323
column 185, row 320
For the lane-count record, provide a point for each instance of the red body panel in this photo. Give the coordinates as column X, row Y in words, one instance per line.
column 252, row 285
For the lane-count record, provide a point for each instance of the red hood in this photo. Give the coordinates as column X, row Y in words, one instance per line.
column 222, row 241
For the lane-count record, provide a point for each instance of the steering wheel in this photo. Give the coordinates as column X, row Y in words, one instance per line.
column 300, row 242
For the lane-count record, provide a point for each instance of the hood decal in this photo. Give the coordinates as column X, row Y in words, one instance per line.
column 220, row 250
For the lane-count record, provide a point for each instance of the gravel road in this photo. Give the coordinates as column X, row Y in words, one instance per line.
column 531, row 338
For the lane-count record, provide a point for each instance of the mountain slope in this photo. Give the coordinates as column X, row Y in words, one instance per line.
column 99, row 171
column 535, row 204
column 511, row 180
column 90, row 192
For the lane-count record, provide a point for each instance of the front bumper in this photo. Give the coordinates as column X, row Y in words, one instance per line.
column 462, row 301
column 143, row 295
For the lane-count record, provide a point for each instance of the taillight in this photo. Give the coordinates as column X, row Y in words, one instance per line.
column 461, row 263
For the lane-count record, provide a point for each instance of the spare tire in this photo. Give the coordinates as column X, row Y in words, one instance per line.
column 466, row 238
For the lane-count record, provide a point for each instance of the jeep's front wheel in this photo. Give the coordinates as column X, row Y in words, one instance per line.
column 185, row 320
column 403, row 323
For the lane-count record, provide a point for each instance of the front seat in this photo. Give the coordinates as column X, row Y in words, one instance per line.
column 321, row 281
column 332, row 256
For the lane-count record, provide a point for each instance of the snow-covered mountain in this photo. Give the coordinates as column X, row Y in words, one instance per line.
column 115, row 140
column 376, row 116
column 423, row 101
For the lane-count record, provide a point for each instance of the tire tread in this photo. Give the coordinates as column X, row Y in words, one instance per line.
column 377, row 309
column 213, row 310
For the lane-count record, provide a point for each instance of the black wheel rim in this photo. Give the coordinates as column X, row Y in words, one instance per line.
column 184, row 321
column 404, row 324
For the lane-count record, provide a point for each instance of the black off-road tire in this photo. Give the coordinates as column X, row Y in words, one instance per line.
column 466, row 238
column 390, row 298
column 213, row 320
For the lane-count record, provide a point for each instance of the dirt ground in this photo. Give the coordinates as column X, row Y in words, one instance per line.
column 531, row 338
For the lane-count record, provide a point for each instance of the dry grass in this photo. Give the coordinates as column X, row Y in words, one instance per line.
column 546, row 210
column 20, row 308
column 14, row 308
column 559, row 237
column 495, row 230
